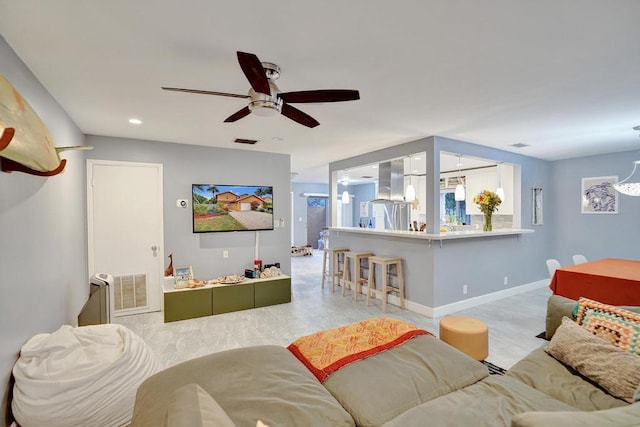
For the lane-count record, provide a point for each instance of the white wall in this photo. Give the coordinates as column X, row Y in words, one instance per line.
column 43, row 279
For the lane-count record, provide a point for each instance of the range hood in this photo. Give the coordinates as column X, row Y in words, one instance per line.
column 390, row 182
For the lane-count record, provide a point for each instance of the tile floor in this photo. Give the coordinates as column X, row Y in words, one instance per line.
column 513, row 321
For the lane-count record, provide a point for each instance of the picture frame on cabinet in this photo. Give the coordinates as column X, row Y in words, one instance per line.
column 598, row 195
column 182, row 274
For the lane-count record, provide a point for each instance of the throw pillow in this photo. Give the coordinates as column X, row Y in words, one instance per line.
column 617, row 325
column 192, row 406
column 615, row 370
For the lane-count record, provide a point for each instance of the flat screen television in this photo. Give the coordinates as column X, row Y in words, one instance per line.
column 218, row 208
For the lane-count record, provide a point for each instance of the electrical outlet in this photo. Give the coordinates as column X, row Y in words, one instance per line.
column 225, row 254
column 464, row 289
column 506, row 280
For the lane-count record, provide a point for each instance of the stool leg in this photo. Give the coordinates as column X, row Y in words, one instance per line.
column 400, row 283
column 346, row 275
column 334, row 266
column 385, row 286
column 324, row 267
column 370, row 282
column 357, row 283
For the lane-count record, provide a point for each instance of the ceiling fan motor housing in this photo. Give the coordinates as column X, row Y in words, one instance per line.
column 265, row 105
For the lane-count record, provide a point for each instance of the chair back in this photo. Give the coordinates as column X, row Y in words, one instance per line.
column 579, row 259
column 552, row 266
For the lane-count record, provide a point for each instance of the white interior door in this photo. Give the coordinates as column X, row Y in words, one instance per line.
column 125, row 229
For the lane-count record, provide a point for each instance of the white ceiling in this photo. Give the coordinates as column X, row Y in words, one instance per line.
column 560, row 75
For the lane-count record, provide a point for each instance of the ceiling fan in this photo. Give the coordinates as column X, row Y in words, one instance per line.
column 265, row 99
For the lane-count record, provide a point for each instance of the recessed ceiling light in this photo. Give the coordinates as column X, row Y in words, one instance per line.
column 520, row 145
column 135, row 121
column 277, row 139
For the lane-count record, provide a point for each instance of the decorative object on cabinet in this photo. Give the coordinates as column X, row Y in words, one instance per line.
column 488, row 202
column 630, row 188
column 169, row 270
column 536, row 206
column 25, row 142
column 599, row 195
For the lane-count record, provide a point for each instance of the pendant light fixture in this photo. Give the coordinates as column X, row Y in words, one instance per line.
column 345, row 178
column 460, row 193
column 627, row 187
column 410, row 192
column 500, row 190
column 345, row 197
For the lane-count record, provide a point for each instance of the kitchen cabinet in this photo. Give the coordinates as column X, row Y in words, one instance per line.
column 487, row 179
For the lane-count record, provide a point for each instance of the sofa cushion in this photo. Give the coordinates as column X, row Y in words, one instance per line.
column 492, row 402
column 557, row 308
column 611, row 367
column 251, row 383
column 193, row 407
column 544, row 373
column 379, row 388
column 617, row 325
column 618, row 417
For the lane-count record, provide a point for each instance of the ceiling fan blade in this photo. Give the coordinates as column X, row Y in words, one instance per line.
column 238, row 115
column 323, row 95
column 253, row 70
column 204, row 92
column 298, row 116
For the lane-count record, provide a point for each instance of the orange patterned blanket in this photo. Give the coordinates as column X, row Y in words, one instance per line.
column 327, row 351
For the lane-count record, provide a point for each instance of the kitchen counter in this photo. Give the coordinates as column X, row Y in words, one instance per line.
column 448, row 235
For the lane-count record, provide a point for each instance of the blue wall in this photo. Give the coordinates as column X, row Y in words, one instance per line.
column 593, row 235
column 184, row 165
column 300, row 210
column 43, row 245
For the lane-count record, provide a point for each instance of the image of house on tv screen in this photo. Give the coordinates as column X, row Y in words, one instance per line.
column 231, row 208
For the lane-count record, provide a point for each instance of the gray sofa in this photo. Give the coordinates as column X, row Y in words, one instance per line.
column 559, row 307
column 421, row 382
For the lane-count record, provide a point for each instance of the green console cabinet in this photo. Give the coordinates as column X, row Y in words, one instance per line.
column 180, row 304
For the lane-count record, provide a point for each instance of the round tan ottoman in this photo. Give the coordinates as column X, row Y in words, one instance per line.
column 469, row 335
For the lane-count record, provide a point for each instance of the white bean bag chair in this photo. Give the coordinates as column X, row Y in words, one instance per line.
column 85, row 376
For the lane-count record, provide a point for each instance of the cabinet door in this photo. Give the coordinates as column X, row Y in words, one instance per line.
column 230, row 298
column 270, row 292
column 474, row 184
column 187, row 304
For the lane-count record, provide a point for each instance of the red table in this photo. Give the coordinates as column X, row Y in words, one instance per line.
column 610, row 280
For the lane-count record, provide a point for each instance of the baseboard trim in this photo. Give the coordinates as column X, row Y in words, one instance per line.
column 446, row 309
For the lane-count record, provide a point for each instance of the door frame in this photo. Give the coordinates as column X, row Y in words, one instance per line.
column 90, row 237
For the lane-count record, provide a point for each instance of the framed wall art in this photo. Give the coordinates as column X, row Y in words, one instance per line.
column 598, row 195
column 536, row 206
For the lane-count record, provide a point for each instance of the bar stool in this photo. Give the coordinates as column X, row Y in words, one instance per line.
column 355, row 258
column 333, row 269
column 385, row 263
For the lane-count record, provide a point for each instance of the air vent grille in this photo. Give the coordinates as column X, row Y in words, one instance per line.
column 130, row 291
column 245, row 141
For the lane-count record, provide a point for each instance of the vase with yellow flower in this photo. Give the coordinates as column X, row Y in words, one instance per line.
column 488, row 202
